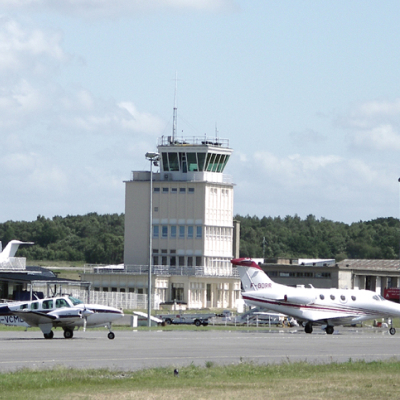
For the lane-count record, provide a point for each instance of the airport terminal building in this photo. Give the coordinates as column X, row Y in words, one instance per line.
column 375, row 275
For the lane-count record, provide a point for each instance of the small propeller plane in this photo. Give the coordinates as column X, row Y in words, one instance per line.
column 66, row 312
column 312, row 306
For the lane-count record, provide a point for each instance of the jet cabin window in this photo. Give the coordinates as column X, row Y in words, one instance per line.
column 35, row 305
column 332, row 297
column 321, row 296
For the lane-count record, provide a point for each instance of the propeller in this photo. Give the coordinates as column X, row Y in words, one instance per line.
column 84, row 314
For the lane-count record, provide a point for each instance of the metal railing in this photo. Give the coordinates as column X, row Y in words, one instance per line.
column 164, row 270
column 193, row 140
column 13, row 264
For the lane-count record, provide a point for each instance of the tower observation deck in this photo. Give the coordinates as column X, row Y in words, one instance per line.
column 193, row 159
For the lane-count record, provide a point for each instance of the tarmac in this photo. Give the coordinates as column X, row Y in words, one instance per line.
column 133, row 350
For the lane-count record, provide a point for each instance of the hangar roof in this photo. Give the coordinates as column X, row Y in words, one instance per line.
column 375, row 265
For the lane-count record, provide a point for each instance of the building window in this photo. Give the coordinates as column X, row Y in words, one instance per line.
column 155, row 231
column 199, row 232
column 155, row 209
column 174, row 190
column 182, row 190
column 190, row 261
column 198, row 261
column 164, row 260
column 156, row 190
column 165, row 190
column 172, row 261
column 181, row 261
column 181, row 232
column 155, row 260
column 190, row 232
column 177, row 291
column 173, row 231
column 165, row 231
column 191, row 190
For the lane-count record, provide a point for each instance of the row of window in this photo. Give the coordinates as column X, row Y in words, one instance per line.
column 181, row 261
column 173, row 190
column 324, row 275
column 185, row 162
column 180, row 231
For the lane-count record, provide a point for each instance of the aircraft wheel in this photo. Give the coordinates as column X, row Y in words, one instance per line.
column 329, row 330
column 308, row 328
column 49, row 335
column 197, row 322
column 168, row 321
column 111, row 335
column 68, row 334
column 392, row 331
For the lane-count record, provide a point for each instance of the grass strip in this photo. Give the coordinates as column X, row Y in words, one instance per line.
column 355, row 380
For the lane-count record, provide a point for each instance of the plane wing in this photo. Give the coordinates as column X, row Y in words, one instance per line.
column 37, row 318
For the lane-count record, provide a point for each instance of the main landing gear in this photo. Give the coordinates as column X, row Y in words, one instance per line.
column 308, row 328
column 49, row 335
column 68, row 333
column 392, row 331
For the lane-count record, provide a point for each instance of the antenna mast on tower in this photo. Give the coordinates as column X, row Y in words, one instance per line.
column 174, row 120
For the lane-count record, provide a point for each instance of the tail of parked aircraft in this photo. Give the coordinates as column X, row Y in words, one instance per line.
column 11, row 249
column 251, row 275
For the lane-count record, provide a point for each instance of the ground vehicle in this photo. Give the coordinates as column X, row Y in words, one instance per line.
column 176, row 319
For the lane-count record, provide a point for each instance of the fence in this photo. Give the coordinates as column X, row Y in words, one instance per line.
column 126, row 301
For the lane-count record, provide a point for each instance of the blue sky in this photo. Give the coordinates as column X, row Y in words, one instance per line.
column 306, row 92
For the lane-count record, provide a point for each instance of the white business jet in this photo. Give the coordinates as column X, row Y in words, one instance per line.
column 10, row 250
column 312, row 306
column 65, row 312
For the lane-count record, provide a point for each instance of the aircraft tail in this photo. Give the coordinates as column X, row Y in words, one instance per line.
column 251, row 275
column 11, row 249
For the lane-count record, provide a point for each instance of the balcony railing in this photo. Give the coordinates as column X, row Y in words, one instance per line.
column 164, row 270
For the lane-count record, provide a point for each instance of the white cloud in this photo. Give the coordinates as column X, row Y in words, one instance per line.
column 27, row 49
column 382, row 137
column 349, row 189
column 118, row 8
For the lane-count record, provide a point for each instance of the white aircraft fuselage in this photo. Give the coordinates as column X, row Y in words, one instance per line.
column 312, row 306
column 65, row 312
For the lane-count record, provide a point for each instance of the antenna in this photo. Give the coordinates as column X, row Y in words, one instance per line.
column 174, row 118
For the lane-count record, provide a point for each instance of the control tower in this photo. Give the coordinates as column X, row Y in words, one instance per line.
column 192, row 208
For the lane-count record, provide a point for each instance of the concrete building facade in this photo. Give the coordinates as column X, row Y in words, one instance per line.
column 192, row 229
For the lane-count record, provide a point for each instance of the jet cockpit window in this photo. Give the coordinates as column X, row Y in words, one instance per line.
column 376, row 297
column 321, row 296
column 23, row 306
column 381, row 297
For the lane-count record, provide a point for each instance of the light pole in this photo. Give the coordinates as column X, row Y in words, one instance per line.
column 153, row 158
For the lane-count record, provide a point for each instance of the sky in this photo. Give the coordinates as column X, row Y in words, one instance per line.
column 306, row 92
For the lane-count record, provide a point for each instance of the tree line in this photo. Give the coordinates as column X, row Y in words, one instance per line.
column 93, row 238
column 293, row 237
column 99, row 239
